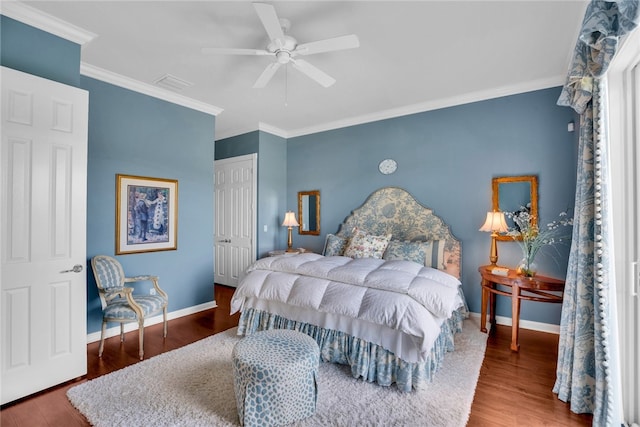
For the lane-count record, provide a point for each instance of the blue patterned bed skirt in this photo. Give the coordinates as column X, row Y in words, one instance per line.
column 368, row 361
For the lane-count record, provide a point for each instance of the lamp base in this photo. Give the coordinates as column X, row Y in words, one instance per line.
column 289, row 241
column 493, row 255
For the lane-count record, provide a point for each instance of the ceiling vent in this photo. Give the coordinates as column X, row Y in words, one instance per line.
column 172, row 82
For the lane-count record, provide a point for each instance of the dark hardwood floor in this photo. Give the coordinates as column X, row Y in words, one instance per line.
column 513, row 389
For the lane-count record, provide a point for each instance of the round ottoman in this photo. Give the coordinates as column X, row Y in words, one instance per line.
column 274, row 375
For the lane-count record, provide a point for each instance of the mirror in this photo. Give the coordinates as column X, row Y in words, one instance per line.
column 309, row 212
column 511, row 193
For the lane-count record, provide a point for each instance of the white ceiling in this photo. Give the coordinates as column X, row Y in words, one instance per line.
column 413, row 56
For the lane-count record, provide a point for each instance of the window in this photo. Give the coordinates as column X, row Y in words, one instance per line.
column 624, row 138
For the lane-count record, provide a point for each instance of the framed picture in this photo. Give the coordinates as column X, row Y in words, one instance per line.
column 146, row 214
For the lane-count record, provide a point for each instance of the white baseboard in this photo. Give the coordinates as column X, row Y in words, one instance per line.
column 524, row 324
column 128, row 327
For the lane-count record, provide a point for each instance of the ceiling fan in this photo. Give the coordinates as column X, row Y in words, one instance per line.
column 285, row 48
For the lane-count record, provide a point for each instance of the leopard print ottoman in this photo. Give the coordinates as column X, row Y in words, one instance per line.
column 275, row 377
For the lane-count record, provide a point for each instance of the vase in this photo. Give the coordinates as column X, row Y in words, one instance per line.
column 527, row 267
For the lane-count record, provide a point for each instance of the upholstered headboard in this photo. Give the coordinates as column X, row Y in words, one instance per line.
column 395, row 211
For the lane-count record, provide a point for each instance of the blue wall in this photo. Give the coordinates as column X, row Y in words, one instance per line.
column 133, row 134
column 272, row 193
column 240, row 145
column 27, row 49
column 446, row 159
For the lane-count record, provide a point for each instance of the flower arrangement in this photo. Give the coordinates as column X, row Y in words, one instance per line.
column 534, row 238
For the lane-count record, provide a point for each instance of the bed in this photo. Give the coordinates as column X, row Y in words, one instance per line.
column 384, row 298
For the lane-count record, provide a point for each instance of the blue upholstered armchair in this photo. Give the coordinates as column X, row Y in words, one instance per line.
column 119, row 304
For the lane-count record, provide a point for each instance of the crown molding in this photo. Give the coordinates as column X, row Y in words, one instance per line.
column 146, row 89
column 431, row 105
column 45, row 22
column 403, row 111
column 265, row 127
column 244, row 129
column 237, row 131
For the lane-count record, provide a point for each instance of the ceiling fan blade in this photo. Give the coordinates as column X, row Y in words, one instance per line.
column 266, row 75
column 337, row 43
column 319, row 76
column 270, row 21
column 233, row 51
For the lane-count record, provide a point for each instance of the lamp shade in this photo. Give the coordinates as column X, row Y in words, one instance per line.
column 495, row 222
column 290, row 220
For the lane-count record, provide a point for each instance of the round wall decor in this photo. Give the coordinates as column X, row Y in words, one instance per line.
column 387, row 166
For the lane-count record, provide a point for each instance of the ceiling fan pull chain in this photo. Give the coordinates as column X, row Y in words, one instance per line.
column 286, row 85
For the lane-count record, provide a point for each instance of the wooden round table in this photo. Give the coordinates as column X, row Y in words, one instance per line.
column 518, row 287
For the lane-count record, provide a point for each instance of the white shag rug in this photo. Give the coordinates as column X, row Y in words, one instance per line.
column 193, row 386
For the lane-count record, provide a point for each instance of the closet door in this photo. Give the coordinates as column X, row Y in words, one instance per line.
column 43, row 233
column 235, row 218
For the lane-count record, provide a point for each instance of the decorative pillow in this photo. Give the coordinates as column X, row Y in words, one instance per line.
column 363, row 245
column 406, row 251
column 434, row 254
column 334, row 245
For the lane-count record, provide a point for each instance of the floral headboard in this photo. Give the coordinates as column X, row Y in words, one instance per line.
column 395, row 211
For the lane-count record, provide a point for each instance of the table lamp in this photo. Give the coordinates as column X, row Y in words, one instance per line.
column 290, row 221
column 494, row 224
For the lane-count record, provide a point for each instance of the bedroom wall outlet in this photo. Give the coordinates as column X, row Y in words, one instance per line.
column 152, row 291
column 571, row 127
column 265, row 228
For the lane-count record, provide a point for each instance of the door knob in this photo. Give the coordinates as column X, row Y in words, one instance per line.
column 76, row 269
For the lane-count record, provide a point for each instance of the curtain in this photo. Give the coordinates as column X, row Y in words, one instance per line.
column 587, row 373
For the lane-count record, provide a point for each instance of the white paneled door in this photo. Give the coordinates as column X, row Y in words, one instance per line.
column 43, row 234
column 235, row 218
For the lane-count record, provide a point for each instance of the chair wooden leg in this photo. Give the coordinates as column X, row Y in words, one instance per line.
column 164, row 317
column 104, row 330
column 141, row 338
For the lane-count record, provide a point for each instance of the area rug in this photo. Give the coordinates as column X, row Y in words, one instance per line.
column 193, row 386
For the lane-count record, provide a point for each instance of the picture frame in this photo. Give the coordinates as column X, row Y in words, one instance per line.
column 146, row 214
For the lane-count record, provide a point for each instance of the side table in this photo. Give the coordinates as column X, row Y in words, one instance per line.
column 283, row 251
column 519, row 288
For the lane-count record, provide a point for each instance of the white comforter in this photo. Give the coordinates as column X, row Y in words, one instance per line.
column 395, row 295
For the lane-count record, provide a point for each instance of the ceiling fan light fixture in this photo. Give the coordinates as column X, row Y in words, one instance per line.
column 283, row 56
column 286, row 49
column 285, row 43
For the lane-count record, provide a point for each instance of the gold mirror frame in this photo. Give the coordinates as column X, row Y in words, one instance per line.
column 305, row 203
column 498, row 204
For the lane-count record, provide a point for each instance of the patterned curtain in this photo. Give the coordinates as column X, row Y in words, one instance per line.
column 587, row 374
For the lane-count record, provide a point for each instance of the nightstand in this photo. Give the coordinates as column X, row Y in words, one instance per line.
column 519, row 288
